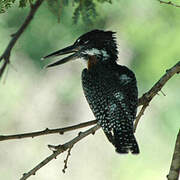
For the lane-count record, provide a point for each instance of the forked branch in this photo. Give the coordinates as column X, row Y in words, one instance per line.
column 148, row 96
column 60, row 149
column 144, row 100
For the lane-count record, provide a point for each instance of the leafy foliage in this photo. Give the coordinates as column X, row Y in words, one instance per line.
column 85, row 9
column 23, row 3
column 57, row 6
column 5, row 4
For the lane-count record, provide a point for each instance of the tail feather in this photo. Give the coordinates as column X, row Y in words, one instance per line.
column 125, row 142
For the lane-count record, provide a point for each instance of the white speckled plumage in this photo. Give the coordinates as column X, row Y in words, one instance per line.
column 111, row 92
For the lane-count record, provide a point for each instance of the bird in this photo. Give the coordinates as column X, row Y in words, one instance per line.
column 110, row 89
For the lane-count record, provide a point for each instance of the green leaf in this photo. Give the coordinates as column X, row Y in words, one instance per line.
column 5, row 4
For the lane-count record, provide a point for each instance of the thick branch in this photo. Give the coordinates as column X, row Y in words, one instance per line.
column 175, row 164
column 47, row 131
column 6, row 54
column 60, row 149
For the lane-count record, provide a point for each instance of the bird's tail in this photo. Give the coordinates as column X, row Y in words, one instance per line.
column 125, row 142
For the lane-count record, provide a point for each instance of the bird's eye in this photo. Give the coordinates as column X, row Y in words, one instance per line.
column 81, row 42
column 78, row 40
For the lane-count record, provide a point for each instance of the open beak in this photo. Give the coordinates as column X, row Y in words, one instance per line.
column 67, row 50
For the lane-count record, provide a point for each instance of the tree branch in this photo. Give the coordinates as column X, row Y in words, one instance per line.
column 175, row 164
column 6, row 54
column 141, row 112
column 148, row 96
column 47, row 131
column 60, row 149
column 144, row 100
column 66, row 160
column 169, row 3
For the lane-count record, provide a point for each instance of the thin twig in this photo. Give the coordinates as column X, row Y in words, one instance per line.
column 66, row 160
column 47, row 131
column 139, row 115
column 169, row 3
column 6, row 54
column 60, row 149
column 174, row 171
column 147, row 97
column 163, row 93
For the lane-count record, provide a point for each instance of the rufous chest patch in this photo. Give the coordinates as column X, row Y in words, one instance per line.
column 91, row 61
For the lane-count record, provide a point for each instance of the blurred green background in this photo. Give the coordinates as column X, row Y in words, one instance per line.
column 32, row 98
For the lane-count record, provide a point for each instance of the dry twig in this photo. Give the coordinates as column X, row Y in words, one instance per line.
column 66, row 160
column 141, row 112
column 147, row 97
column 47, row 131
column 169, row 3
column 60, row 149
column 5, row 57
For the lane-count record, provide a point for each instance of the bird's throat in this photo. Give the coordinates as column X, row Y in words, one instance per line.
column 92, row 61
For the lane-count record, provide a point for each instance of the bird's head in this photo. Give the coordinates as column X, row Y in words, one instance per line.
column 94, row 46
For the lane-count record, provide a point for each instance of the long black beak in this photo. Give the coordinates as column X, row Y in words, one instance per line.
column 67, row 50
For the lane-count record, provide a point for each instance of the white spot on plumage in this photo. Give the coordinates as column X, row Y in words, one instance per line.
column 119, row 95
column 104, row 53
column 86, row 42
column 112, row 107
column 125, row 78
